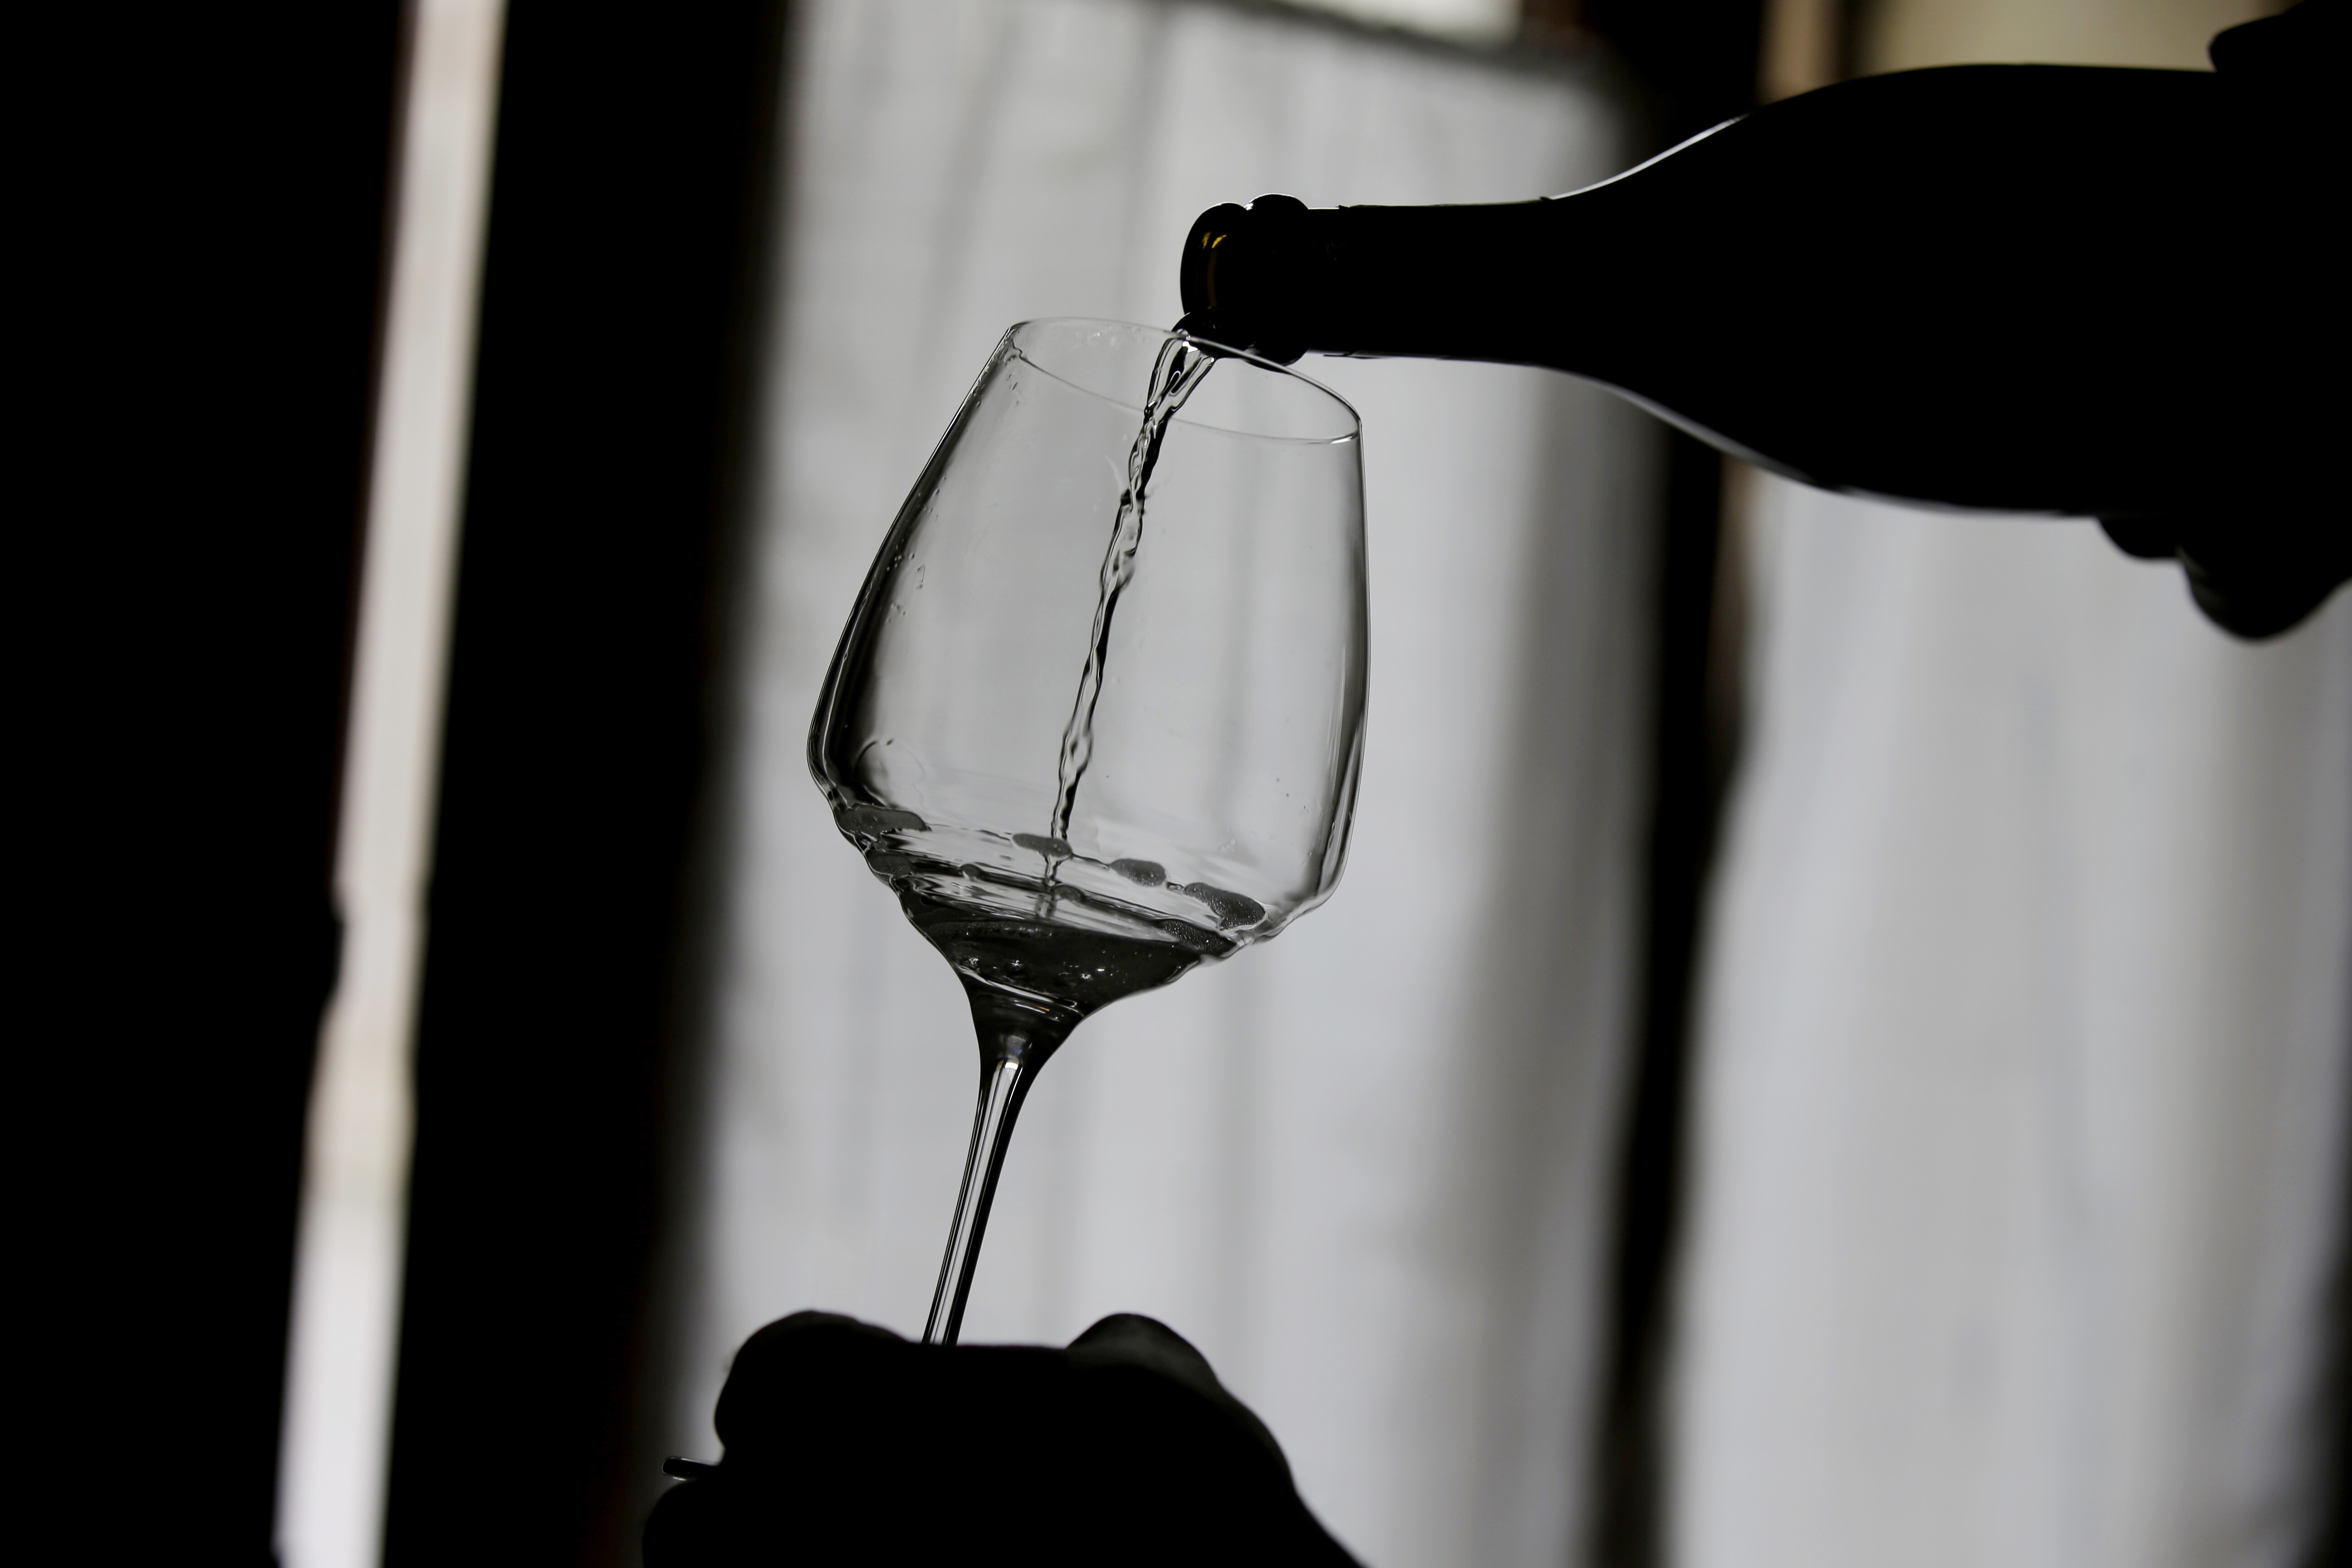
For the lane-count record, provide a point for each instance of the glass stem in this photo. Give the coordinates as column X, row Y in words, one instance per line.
column 1005, row 1078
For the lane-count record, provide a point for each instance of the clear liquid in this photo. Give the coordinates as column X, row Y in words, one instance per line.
column 1174, row 374
column 1050, row 966
column 1055, row 934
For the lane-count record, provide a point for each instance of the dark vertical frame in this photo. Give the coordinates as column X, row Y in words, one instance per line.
column 1685, row 798
column 1696, row 63
column 201, row 227
column 2331, row 1542
column 625, row 210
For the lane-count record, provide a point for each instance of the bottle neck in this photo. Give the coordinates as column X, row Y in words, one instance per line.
column 1497, row 283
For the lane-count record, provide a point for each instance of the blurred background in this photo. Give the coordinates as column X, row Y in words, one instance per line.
column 1830, row 1051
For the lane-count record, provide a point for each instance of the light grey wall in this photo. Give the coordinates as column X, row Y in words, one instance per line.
column 2022, row 1123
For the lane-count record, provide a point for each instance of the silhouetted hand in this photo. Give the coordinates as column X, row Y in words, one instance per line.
column 846, row 1444
column 2262, row 571
column 2255, row 576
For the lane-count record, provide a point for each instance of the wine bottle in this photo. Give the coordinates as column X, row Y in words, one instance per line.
column 2044, row 288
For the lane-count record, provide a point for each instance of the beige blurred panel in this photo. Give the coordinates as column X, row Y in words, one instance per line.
column 1804, row 47
column 1904, row 35
column 345, row 1328
column 1806, row 42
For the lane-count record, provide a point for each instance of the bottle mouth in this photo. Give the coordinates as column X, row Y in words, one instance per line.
column 1239, row 276
column 1247, row 394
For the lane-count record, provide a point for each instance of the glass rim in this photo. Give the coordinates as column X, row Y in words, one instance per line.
column 1355, row 431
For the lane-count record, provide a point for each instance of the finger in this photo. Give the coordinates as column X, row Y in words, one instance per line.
column 812, row 1367
column 1139, row 1340
column 1129, row 1339
column 2146, row 538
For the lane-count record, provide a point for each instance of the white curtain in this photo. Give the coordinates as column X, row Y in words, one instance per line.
column 1364, row 1167
column 2022, row 1129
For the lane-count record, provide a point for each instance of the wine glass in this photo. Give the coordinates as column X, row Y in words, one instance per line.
column 1096, row 716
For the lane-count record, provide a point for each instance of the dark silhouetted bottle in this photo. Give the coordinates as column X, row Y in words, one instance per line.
column 2023, row 288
